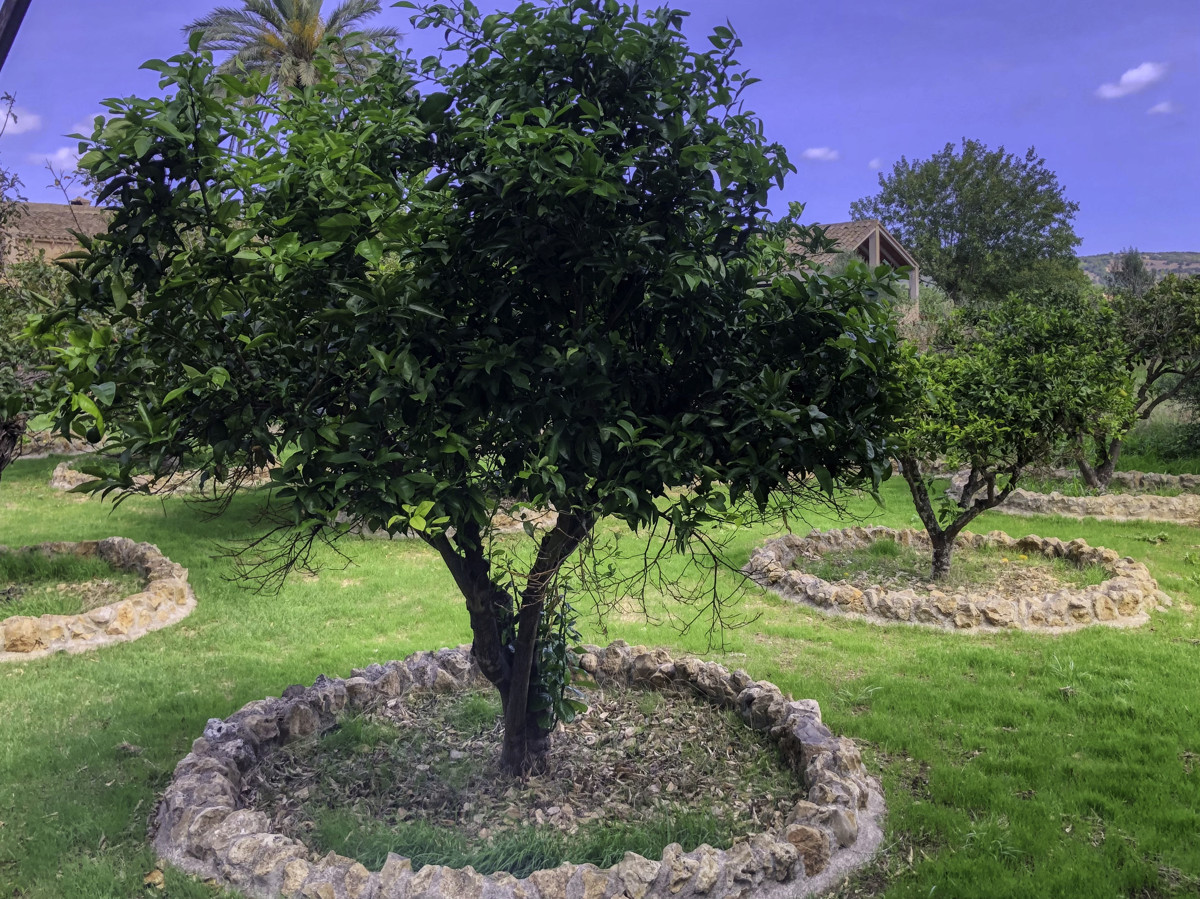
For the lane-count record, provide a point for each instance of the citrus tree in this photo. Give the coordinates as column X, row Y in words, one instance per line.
column 1158, row 328
column 1006, row 393
column 551, row 280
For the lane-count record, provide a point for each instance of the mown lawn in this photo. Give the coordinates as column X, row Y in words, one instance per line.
column 1014, row 765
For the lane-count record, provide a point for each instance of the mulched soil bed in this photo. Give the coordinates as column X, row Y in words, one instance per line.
column 633, row 755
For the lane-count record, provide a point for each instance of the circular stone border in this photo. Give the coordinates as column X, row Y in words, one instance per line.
column 202, row 827
column 1123, row 600
column 1181, row 509
column 181, row 483
column 166, row 598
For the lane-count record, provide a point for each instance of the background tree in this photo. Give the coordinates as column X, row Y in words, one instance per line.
column 982, row 223
column 282, row 37
column 1128, row 275
column 17, row 357
column 1004, row 394
column 550, row 281
column 1159, row 335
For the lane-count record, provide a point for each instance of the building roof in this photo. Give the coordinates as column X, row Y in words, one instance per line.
column 851, row 237
column 55, row 221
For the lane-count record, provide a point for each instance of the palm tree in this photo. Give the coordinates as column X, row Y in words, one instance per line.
column 282, row 37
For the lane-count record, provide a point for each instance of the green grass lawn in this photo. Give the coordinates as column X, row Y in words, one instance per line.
column 1014, row 765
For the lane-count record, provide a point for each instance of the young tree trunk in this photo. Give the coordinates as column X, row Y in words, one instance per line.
column 943, row 549
column 11, row 432
column 1108, row 452
column 942, row 538
column 512, row 668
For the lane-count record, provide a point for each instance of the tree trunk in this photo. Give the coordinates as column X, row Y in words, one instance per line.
column 11, row 432
column 943, row 549
column 1108, row 452
column 512, row 666
column 526, row 746
column 1106, row 470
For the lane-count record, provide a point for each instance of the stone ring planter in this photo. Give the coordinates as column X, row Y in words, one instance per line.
column 203, row 826
column 1125, row 599
column 182, row 483
column 165, row 599
column 1181, row 509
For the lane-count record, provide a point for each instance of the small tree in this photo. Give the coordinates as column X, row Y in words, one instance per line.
column 1128, row 275
column 1002, row 396
column 981, row 223
column 1159, row 331
column 551, row 281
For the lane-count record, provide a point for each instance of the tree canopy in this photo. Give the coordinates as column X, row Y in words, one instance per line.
column 282, row 38
column 1128, row 275
column 1158, row 336
column 1005, row 392
column 981, row 223
column 551, row 280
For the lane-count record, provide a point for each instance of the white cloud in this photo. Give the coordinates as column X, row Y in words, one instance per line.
column 1166, row 107
column 820, row 154
column 875, row 163
column 62, row 158
column 21, row 121
column 1134, row 80
column 84, row 126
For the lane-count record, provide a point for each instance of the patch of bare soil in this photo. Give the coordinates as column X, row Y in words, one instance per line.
column 433, row 757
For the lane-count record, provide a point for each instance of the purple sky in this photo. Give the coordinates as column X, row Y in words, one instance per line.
column 1108, row 91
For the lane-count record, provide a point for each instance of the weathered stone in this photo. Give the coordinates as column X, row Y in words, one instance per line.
column 294, row 874
column 301, row 720
column 813, row 846
column 591, row 882
column 1000, row 612
column 395, row 679
column 238, row 824
column 680, row 868
column 461, row 883
column 708, row 869
column 552, row 881
column 395, row 877
column 966, row 616
column 1106, row 608
column 843, row 823
column 21, row 634
column 359, row 691
column 637, row 874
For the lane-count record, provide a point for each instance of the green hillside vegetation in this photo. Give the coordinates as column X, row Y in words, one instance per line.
column 1161, row 264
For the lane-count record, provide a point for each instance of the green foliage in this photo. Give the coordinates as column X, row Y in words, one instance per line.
column 1017, row 384
column 1128, row 275
column 549, row 280
column 26, row 290
column 283, row 38
column 980, row 222
column 1008, row 391
column 1097, row 266
column 974, row 728
column 1160, row 329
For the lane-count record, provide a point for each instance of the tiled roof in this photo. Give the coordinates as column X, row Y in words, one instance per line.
column 56, row 221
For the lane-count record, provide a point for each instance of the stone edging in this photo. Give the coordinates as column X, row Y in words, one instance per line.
column 202, row 826
column 1181, row 509
column 1184, row 508
column 1123, row 600
column 165, row 599
column 182, row 483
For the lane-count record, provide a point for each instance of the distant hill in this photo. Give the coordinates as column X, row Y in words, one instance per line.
column 1160, row 263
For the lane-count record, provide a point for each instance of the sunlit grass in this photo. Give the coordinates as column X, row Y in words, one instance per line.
column 1002, row 782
